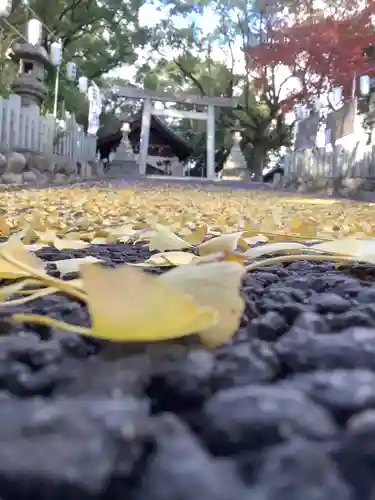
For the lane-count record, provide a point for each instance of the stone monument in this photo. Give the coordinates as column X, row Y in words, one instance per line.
column 30, row 84
column 235, row 167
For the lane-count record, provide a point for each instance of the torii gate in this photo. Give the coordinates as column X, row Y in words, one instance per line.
column 148, row 110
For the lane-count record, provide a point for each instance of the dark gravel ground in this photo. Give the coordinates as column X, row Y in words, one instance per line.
column 284, row 412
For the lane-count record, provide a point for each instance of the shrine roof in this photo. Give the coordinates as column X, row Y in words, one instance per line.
column 180, row 146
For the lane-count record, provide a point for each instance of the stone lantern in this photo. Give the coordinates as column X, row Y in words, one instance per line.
column 125, row 143
column 235, row 167
column 30, row 84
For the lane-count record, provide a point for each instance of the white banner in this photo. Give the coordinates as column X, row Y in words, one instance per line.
column 95, row 108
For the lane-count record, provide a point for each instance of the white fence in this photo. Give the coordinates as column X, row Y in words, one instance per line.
column 341, row 163
column 23, row 128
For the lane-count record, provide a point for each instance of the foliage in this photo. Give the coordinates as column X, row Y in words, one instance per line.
column 319, row 51
column 199, row 293
column 197, row 68
column 98, row 36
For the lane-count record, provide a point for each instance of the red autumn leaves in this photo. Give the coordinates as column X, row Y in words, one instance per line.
column 323, row 52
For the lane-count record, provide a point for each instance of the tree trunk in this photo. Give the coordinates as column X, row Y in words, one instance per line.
column 255, row 159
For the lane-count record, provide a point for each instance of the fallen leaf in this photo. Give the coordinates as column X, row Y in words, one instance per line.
column 303, row 226
column 165, row 239
column 68, row 266
column 169, row 259
column 36, row 222
column 216, row 285
column 224, row 243
column 9, row 290
column 15, row 248
column 363, row 249
column 34, row 247
column 197, row 235
column 126, row 304
column 46, row 236
column 4, row 226
column 68, row 244
column 76, row 283
column 240, row 258
column 254, row 240
column 99, row 241
column 271, row 248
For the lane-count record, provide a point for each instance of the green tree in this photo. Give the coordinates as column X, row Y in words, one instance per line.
column 199, row 76
column 260, row 110
column 98, row 35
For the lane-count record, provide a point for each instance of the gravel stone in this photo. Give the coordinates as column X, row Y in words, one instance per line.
column 311, row 322
column 258, row 416
column 352, row 348
column 70, row 446
column 300, row 469
column 343, row 392
column 366, row 296
column 285, row 410
column 355, row 456
column 244, row 363
column 329, row 302
column 182, row 469
column 268, row 327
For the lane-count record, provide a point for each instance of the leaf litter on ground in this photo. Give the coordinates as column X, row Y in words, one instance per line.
column 208, row 240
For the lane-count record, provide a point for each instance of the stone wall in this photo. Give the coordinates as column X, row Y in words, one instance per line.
column 36, row 170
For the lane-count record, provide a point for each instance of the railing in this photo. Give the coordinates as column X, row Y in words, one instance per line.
column 23, row 128
column 341, row 163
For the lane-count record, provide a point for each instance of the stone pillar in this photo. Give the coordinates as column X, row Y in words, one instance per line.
column 235, row 167
column 30, row 85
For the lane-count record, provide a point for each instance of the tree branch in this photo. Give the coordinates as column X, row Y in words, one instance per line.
column 191, row 77
column 69, row 8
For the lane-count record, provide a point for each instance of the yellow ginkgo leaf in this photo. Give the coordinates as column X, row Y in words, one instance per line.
column 165, row 239
column 350, row 246
column 122, row 234
column 168, row 259
column 28, row 235
column 4, row 226
column 12, row 289
column 36, row 222
column 303, row 226
column 68, row 244
column 99, row 240
column 178, row 258
column 73, row 235
column 67, row 266
column 242, row 244
column 46, row 236
column 254, row 240
column 15, row 248
column 34, row 247
column 77, row 283
column 216, row 285
column 271, row 248
column 224, row 243
column 197, row 235
column 240, row 258
column 126, row 304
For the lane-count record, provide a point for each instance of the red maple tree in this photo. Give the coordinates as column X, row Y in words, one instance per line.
column 322, row 52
